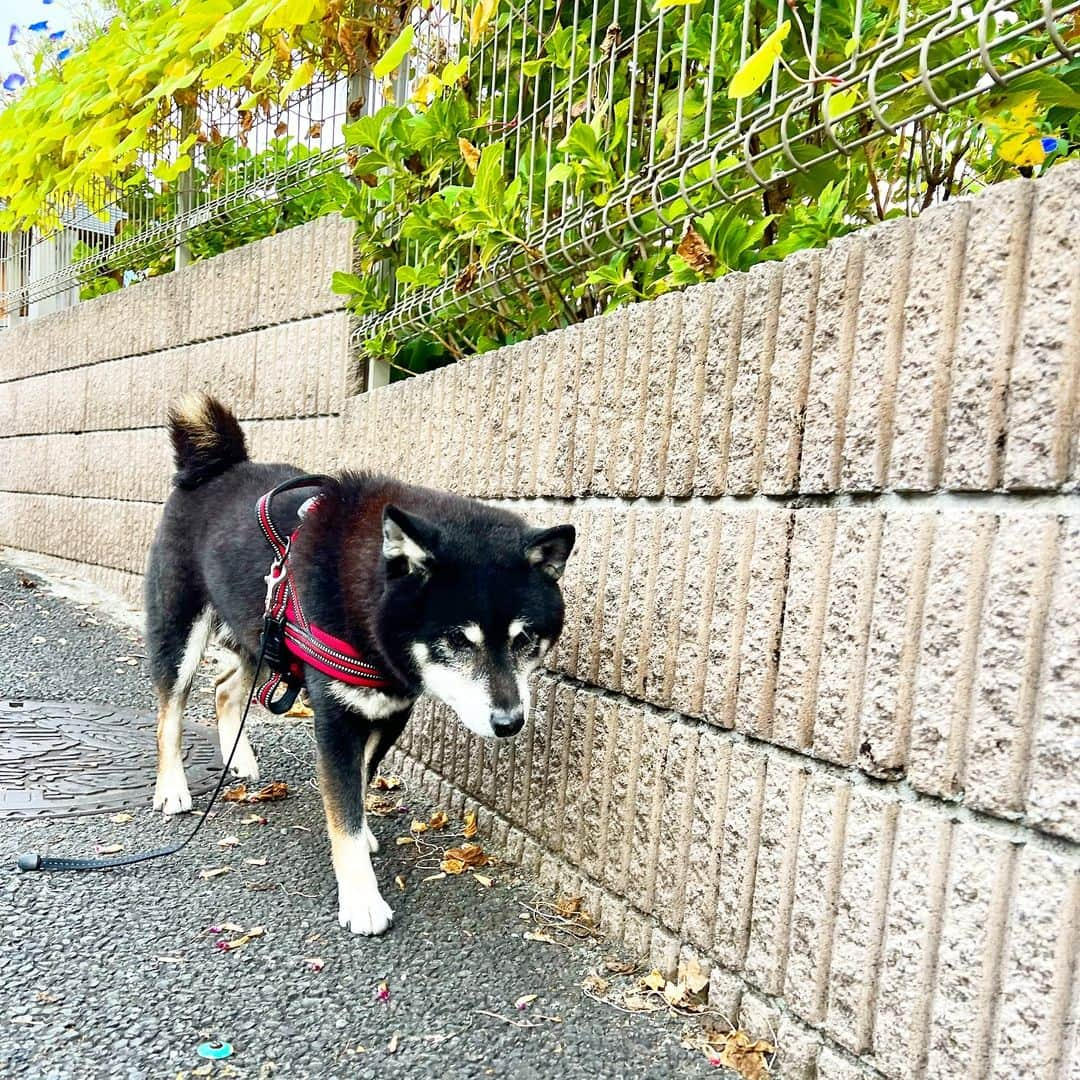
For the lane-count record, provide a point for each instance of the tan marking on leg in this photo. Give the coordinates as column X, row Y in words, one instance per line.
column 171, row 794
column 230, row 697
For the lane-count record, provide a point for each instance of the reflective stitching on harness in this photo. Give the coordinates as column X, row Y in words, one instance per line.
column 305, row 643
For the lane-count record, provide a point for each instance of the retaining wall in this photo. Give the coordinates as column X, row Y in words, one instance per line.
column 815, row 717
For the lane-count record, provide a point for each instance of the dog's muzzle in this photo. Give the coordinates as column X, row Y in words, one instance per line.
column 505, row 724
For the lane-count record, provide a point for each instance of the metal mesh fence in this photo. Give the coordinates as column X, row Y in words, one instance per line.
column 656, row 75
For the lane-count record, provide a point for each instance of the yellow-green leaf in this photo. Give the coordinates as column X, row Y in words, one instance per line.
column 1022, row 148
column 393, row 56
column 454, row 70
column 299, row 78
column 482, row 14
column 840, row 102
column 426, row 90
column 675, row 3
column 758, row 67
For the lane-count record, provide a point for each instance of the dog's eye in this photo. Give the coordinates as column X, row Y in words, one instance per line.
column 457, row 639
column 523, row 641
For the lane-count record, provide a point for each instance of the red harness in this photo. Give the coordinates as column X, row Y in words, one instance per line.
column 304, row 643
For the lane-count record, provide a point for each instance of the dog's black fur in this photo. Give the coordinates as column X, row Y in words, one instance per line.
column 393, row 569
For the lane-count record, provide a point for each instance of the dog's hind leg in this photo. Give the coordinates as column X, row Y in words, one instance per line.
column 173, row 680
column 232, row 688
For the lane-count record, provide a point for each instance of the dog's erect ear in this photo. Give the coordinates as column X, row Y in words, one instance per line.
column 548, row 549
column 409, row 538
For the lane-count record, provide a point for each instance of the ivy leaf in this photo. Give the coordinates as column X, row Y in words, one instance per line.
column 482, row 15
column 426, row 90
column 758, row 67
column 454, row 70
column 299, row 78
column 345, row 284
column 393, row 56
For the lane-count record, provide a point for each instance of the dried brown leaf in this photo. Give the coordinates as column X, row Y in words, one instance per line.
column 438, row 820
column 229, row 841
column 695, row 251
column 470, row 825
column 386, row 783
column 452, row 866
column 471, row 855
column 736, row 1050
column 401, row 841
column 122, row 819
column 470, row 154
column 619, row 967
column 595, row 984
column 418, row 827
column 484, row 880
column 217, row 871
column 654, row 981
column 399, row 881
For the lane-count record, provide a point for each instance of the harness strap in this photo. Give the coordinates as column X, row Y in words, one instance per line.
column 295, row 640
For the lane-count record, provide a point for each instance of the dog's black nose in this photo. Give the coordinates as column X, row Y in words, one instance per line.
column 505, row 724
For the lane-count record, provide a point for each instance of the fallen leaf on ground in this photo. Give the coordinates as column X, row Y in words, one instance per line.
column 386, row 783
column 539, row 935
column 484, row 880
column 299, row 709
column 229, row 928
column 171, row 959
column 382, row 806
column 240, row 942
column 470, row 825
column 438, row 820
column 469, row 854
column 418, row 827
column 253, row 819
column 229, row 841
column 391, row 1047
column 217, row 871
column 122, row 819
column 316, row 963
column 736, row 1050
column 382, row 993
column 619, row 967
column 47, row 998
column 432, row 877
column 399, row 881
column 255, row 862
column 401, row 841
column 595, row 984
column 525, row 1001
column 654, row 981
column 109, row 849
column 452, row 866
column 568, row 906
column 276, row 789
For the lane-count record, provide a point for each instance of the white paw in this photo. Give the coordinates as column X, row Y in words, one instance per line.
column 171, row 795
column 243, row 762
column 370, row 839
column 365, row 912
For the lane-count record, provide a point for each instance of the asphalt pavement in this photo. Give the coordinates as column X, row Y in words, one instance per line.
column 124, row 973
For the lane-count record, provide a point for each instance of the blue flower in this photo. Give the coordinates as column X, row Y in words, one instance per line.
column 1050, row 144
column 13, row 81
column 48, row 1
column 43, row 25
column 57, row 36
column 13, row 33
column 63, row 54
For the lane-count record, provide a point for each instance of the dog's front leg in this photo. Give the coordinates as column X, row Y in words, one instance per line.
column 341, row 739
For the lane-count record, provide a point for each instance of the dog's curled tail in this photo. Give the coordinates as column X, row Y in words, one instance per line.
column 206, row 440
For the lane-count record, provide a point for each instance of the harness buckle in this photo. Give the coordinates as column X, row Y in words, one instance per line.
column 273, row 580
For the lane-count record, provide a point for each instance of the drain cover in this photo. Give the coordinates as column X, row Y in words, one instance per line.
column 59, row 758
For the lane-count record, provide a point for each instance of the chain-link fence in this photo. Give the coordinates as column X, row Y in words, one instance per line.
column 619, row 127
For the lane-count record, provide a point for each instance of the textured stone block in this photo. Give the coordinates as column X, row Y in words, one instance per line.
column 830, row 365
column 738, row 854
column 646, row 804
column 655, row 670
column 645, row 534
column 997, row 240
column 947, row 647
column 1053, row 800
column 798, row 1051
column 664, row 328
column 750, row 391
column 774, row 877
column 813, row 911
column 1044, row 371
column 804, row 617
column 595, row 795
column 617, row 826
column 721, row 365
column 1007, row 665
column 892, row 649
column 688, row 391
column 620, row 573
column 860, row 915
column 789, row 372
column 732, row 574
column 633, row 400
column 929, row 333
column 1041, row 950
column 760, row 640
column 969, row 951
column 673, row 824
column 592, row 378
column 841, row 667
column 706, row 833
column 875, row 359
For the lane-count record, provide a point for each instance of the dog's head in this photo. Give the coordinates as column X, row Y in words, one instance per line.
column 472, row 606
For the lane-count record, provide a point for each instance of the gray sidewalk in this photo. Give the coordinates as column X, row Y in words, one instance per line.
column 116, row 974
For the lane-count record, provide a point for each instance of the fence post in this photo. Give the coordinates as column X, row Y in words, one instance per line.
column 185, row 192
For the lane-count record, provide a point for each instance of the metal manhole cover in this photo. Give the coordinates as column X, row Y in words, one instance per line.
column 59, row 758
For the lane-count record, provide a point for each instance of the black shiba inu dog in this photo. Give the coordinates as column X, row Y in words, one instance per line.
column 439, row 594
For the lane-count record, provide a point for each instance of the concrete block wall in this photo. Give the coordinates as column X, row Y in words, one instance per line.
column 815, row 716
column 84, row 460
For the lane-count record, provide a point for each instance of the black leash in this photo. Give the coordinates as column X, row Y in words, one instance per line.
column 31, row 860
column 269, row 643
